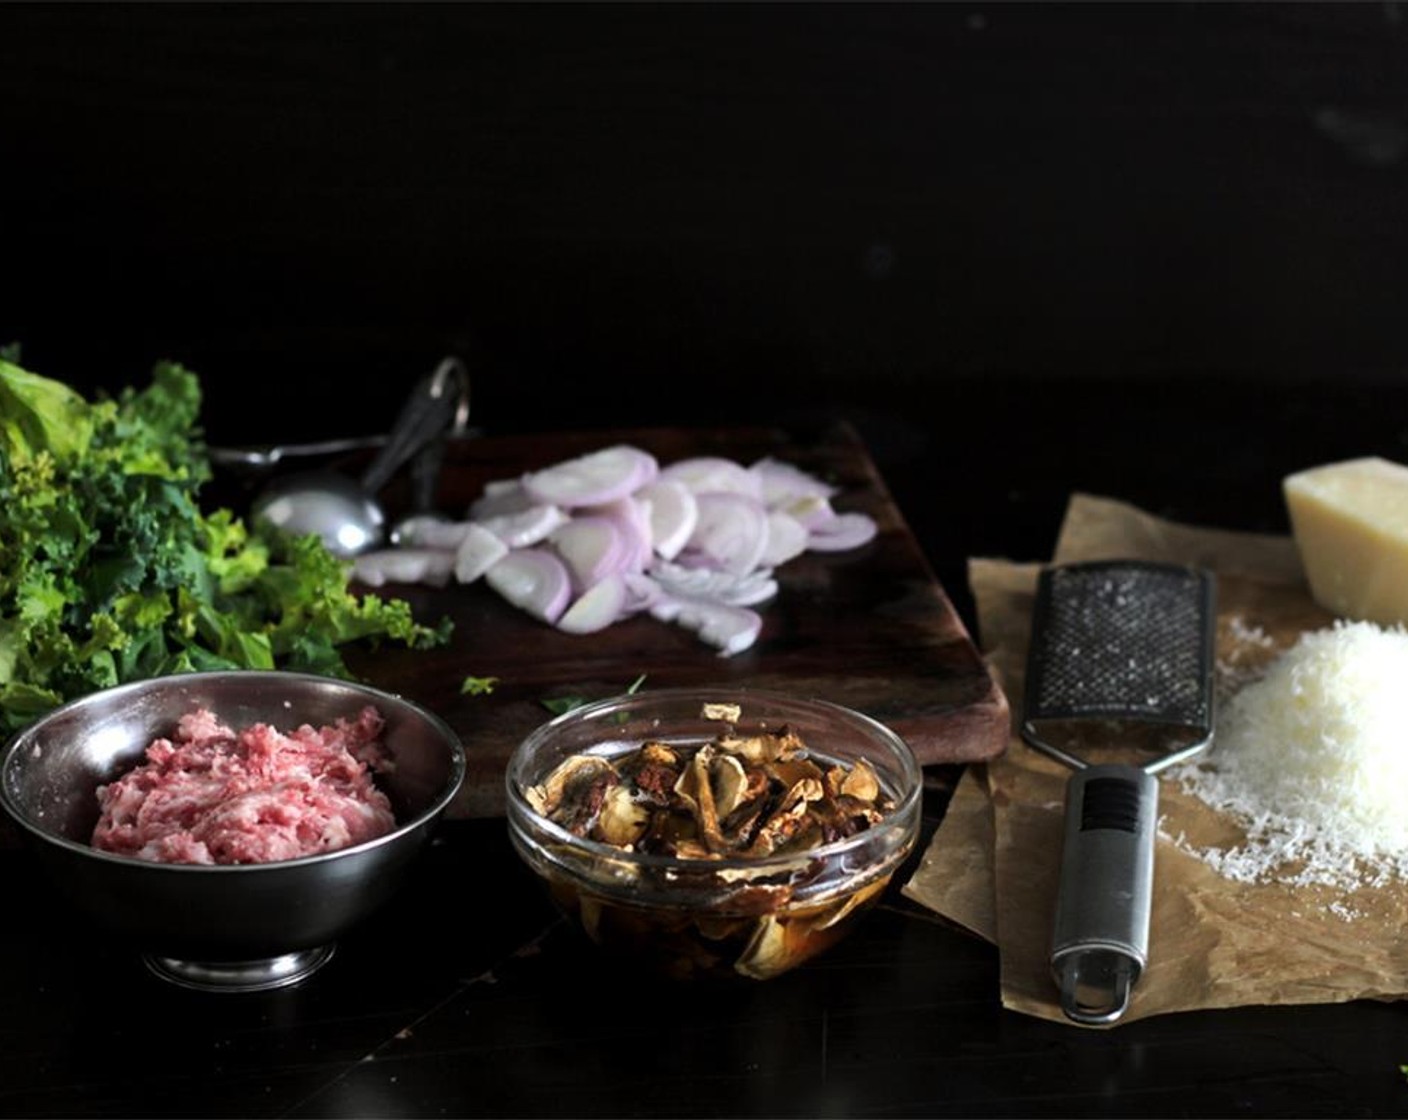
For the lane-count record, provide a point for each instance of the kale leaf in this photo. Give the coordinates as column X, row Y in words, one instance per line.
column 110, row 570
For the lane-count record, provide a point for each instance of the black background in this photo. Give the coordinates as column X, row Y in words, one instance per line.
column 1015, row 244
column 1152, row 251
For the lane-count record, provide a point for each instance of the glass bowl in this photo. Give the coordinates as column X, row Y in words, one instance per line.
column 714, row 868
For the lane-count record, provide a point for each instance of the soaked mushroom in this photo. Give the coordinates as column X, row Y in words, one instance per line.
column 735, row 797
column 746, row 796
column 571, row 787
column 861, row 783
column 622, row 820
column 730, row 783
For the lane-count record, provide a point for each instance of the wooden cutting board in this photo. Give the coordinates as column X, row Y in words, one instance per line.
column 870, row 628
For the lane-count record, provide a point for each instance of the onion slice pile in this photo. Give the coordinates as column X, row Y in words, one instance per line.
column 591, row 540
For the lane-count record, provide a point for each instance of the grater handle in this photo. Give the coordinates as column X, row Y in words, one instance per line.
column 1101, row 938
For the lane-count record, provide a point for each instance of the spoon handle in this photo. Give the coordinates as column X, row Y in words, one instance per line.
column 438, row 399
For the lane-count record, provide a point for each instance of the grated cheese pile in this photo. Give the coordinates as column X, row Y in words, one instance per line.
column 1312, row 760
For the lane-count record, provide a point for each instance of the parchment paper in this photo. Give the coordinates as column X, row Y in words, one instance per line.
column 993, row 865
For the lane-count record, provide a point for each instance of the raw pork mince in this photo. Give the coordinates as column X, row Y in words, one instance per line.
column 210, row 795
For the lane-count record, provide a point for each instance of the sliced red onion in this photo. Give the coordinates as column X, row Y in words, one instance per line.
column 673, row 513
column 787, row 539
column 809, row 509
column 734, row 589
column 642, row 592
column 525, row 527
column 597, row 607
column 695, row 542
column 592, row 548
column 429, row 530
column 594, row 478
column 704, row 474
column 780, row 482
column 632, row 517
column 731, row 533
column 731, row 629
column 534, row 580
column 842, row 532
column 500, row 498
column 478, row 552
column 432, row 566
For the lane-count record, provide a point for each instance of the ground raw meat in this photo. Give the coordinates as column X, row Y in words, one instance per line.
column 211, row 795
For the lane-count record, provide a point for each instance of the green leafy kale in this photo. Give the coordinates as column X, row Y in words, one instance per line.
column 110, row 571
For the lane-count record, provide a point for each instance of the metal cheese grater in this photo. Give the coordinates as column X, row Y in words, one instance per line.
column 1121, row 655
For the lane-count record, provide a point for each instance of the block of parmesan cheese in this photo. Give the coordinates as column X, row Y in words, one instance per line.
column 1350, row 522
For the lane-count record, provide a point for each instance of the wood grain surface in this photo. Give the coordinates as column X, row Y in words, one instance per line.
column 872, row 628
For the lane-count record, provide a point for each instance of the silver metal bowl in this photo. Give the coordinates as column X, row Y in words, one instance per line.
column 222, row 927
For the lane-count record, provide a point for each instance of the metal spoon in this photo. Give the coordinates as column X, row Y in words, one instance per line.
column 344, row 511
column 265, row 457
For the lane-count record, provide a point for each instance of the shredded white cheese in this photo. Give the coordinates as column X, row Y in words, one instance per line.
column 1311, row 758
column 1250, row 645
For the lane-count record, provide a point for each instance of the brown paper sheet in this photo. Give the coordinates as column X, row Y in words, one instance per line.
column 993, row 865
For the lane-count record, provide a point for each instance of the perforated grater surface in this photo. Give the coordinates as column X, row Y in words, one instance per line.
column 1125, row 648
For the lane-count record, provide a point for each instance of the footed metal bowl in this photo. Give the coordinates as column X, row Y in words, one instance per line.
column 221, row 927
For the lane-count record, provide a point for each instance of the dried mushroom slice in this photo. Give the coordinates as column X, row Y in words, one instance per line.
column 622, row 820
column 766, row 747
column 696, row 788
column 589, row 912
column 805, row 790
column 658, row 754
column 694, row 849
column 779, row 828
column 718, row 927
column 667, row 831
column 735, row 795
column 766, row 953
column 784, row 939
column 572, row 777
column 730, row 782
column 795, row 769
column 838, row 911
column 861, row 782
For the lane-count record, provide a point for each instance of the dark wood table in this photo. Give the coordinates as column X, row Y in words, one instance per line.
column 469, row 996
